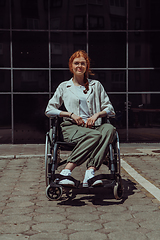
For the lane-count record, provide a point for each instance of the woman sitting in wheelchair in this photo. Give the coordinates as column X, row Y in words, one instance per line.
column 86, row 102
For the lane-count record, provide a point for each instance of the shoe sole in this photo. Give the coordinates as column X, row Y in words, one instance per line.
column 69, row 184
column 97, row 185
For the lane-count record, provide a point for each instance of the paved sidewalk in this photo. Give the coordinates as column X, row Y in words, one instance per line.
column 26, row 213
column 25, row 150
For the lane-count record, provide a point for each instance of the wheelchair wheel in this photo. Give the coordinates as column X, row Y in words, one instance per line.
column 48, row 160
column 54, row 193
column 118, row 191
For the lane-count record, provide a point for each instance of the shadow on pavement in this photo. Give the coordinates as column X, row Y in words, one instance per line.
column 98, row 196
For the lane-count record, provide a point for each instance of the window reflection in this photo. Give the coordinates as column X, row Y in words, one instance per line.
column 58, row 77
column 118, row 101
column 144, row 80
column 31, row 81
column 68, row 15
column 4, row 50
column 55, row 3
column 96, row 22
column 80, row 22
column 106, row 51
column 144, row 49
column 144, row 118
column 144, row 14
column 55, row 23
column 113, row 81
column 5, row 119
column 30, row 49
column 30, row 14
column 63, row 45
column 30, row 122
column 5, row 80
column 107, row 15
column 4, row 14
column 141, row 48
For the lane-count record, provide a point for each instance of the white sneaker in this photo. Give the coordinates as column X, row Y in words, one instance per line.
column 66, row 182
column 88, row 175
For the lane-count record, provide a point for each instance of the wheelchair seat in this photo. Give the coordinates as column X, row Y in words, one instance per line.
column 53, row 147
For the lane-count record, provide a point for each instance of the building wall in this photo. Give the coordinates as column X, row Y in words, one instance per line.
column 37, row 37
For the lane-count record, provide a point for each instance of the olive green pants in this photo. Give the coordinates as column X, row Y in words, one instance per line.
column 92, row 144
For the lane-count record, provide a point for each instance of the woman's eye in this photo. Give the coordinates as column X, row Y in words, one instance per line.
column 82, row 63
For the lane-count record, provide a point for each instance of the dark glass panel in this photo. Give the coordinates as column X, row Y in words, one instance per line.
column 144, row 15
column 105, row 51
column 4, row 49
column 31, row 81
column 30, row 14
column 144, row 80
column 144, row 49
column 113, row 81
column 5, row 81
column 107, row 15
column 118, row 102
column 145, row 101
column 5, row 119
column 30, row 49
column 144, row 118
column 67, row 15
column 4, row 14
column 30, row 122
column 63, row 45
column 155, row 48
column 58, row 77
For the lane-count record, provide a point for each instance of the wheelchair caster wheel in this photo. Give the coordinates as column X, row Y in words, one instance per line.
column 69, row 193
column 118, row 191
column 53, row 193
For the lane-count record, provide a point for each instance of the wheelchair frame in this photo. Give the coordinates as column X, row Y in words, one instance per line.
column 54, row 145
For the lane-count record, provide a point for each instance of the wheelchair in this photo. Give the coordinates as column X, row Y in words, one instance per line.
column 55, row 144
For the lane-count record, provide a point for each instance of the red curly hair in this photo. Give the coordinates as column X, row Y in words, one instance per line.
column 77, row 54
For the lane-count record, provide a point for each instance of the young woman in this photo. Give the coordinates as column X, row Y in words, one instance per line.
column 86, row 102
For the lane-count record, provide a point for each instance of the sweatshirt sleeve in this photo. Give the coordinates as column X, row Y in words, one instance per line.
column 55, row 102
column 105, row 103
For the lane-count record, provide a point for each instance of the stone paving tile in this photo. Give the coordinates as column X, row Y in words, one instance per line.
column 13, row 237
column 153, row 235
column 26, row 213
column 49, row 236
column 131, row 235
column 120, row 225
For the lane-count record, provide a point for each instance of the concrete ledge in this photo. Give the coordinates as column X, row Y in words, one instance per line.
column 65, row 155
column 21, row 156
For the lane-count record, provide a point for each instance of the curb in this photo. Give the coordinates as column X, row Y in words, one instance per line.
column 21, row 156
column 64, row 155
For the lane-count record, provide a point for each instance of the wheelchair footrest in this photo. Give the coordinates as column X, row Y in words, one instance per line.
column 60, row 177
column 100, row 177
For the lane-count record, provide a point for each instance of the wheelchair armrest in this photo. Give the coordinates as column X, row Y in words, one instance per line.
column 107, row 119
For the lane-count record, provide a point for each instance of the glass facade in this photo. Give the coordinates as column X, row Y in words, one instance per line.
column 38, row 37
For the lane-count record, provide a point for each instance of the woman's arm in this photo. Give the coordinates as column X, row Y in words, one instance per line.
column 73, row 116
column 91, row 121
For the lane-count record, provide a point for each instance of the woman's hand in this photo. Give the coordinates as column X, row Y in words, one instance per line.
column 78, row 120
column 91, row 121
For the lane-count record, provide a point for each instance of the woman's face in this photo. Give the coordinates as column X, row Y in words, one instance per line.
column 79, row 66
